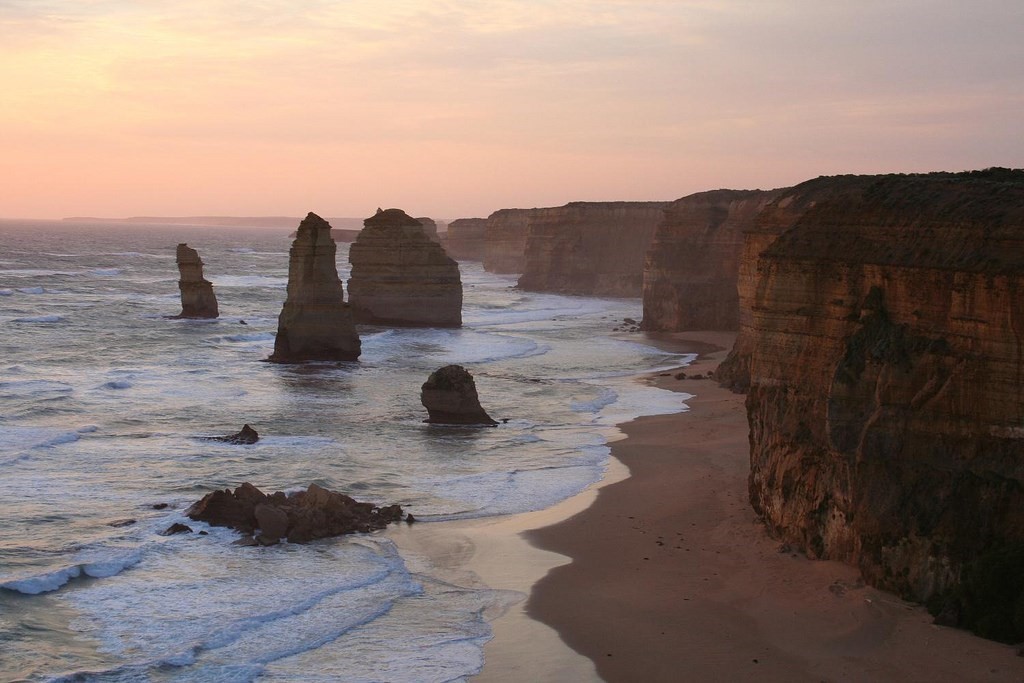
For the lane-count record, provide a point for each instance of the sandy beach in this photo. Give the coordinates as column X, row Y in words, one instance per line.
column 667, row 575
column 662, row 572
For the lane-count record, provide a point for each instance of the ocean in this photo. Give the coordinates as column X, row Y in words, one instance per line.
column 104, row 403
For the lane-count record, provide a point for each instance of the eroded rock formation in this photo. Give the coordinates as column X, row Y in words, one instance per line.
column 505, row 240
column 429, row 228
column 299, row 517
column 692, row 266
column 315, row 322
column 450, row 397
column 590, row 248
column 197, row 297
column 402, row 277
column 466, row 239
column 245, row 436
column 885, row 349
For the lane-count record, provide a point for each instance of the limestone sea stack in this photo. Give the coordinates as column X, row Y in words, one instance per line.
column 884, row 343
column 197, row 297
column 315, row 322
column 402, row 277
column 450, row 397
column 692, row 266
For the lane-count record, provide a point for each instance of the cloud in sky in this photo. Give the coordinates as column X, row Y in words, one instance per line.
column 460, row 107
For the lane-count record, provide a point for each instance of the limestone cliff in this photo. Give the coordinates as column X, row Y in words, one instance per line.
column 466, row 239
column 589, row 248
column 692, row 266
column 885, row 344
column 315, row 322
column 197, row 297
column 505, row 240
column 402, row 277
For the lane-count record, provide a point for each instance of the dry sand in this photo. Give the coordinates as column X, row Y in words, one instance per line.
column 674, row 579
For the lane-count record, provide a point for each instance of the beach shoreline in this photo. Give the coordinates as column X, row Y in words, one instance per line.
column 673, row 577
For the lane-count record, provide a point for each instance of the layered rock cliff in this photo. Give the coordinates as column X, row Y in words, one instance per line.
column 315, row 322
column 402, row 277
column 466, row 239
column 692, row 266
column 589, row 248
column 885, row 349
column 505, row 241
column 197, row 297
column 429, row 227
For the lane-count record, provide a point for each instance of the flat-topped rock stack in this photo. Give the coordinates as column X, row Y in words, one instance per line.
column 402, row 277
column 429, row 227
column 197, row 297
column 315, row 322
column 505, row 242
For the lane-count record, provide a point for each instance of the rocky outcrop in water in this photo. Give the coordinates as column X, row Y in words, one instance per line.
column 589, row 248
column 299, row 517
column 450, row 397
column 505, row 240
column 884, row 346
column 466, row 239
column 197, row 298
column 245, row 436
column 692, row 266
column 401, row 277
column 315, row 322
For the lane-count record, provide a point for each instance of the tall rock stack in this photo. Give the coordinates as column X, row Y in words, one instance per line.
column 589, row 248
column 315, row 322
column 401, row 277
column 197, row 298
column 692, row 267
column 885, row 344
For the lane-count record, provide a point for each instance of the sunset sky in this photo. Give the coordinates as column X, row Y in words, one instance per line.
column 454, row 108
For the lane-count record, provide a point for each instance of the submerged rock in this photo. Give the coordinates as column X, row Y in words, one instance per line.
column 197, row 297
column 400, row 276
column 299, row 517
column 315, row 322
column 450, row 397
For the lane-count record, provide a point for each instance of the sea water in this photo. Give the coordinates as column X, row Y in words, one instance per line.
column 104, row 403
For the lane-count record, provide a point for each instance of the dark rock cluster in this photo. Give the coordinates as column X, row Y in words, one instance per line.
column 296, row 517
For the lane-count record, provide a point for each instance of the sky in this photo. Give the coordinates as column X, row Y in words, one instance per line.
column 457, row 108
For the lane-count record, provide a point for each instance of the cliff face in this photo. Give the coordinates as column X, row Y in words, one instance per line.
column 692, row 266
column 885, row 342
column 505, row 241
column 466, row 239
column 197, row 297
column 315, row 322
column 402, row 277
column 590, row 248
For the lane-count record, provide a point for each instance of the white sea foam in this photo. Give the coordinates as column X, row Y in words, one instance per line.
column 54, row 580
column 249, row 281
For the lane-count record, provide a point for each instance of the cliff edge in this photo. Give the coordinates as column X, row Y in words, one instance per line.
column 883, row 343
